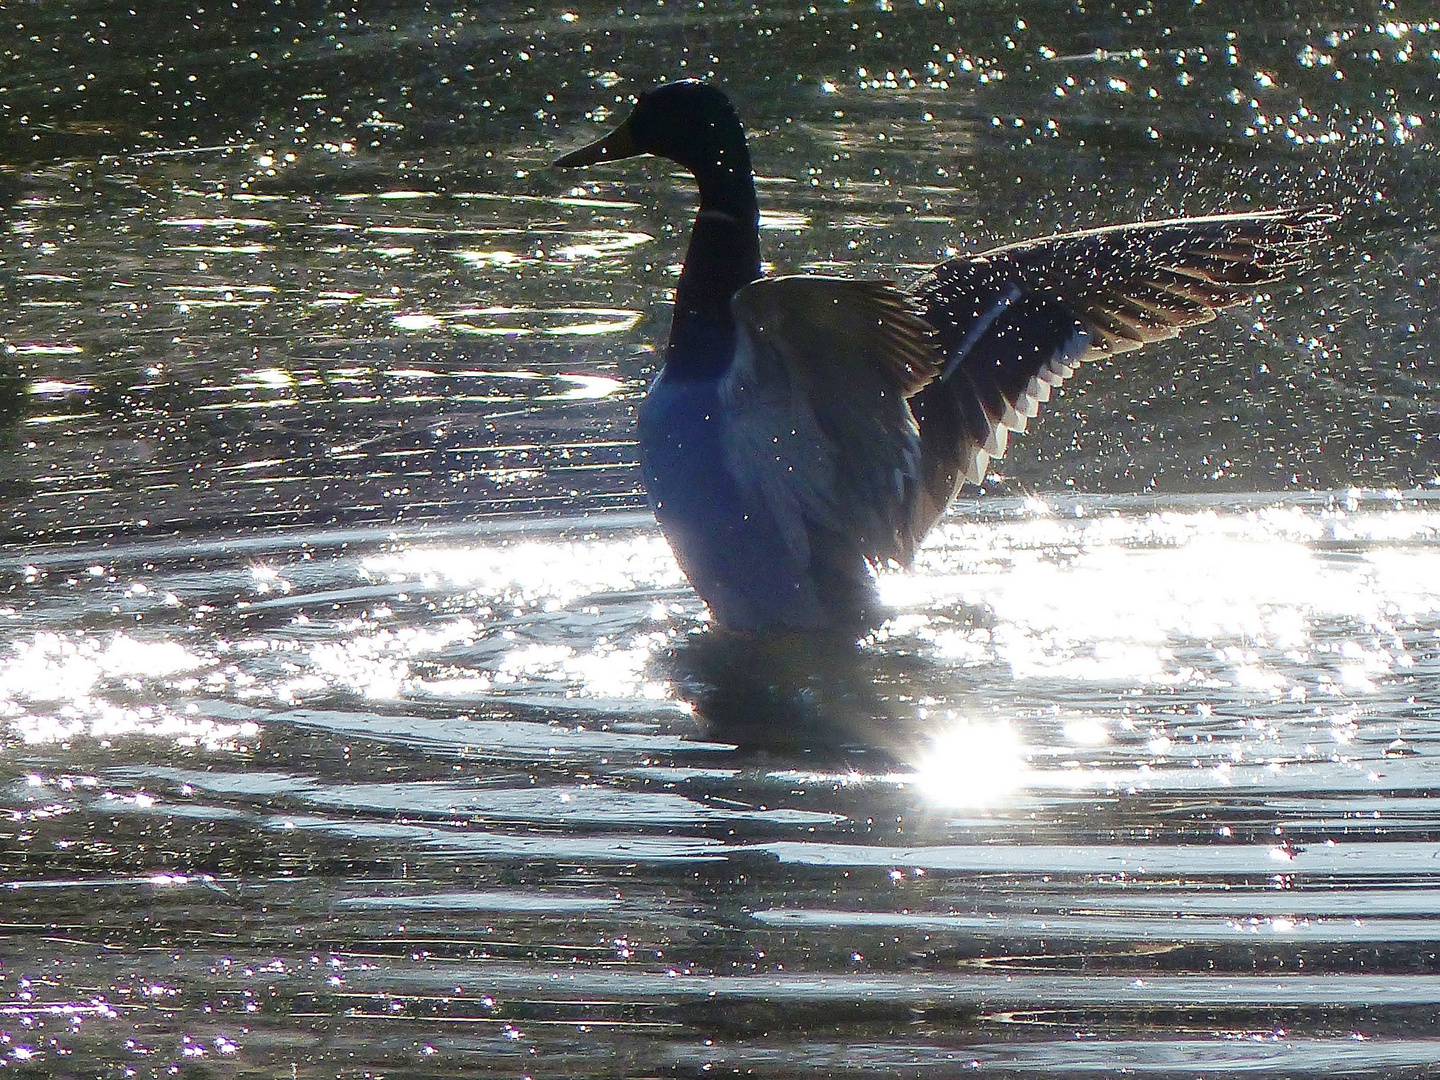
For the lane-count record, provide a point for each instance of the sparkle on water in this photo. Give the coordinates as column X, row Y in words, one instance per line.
column 355, row 719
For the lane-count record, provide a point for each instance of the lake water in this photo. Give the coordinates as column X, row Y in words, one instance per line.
column 355, row 719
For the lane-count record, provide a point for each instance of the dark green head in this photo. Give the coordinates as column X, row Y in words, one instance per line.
column 690, row 123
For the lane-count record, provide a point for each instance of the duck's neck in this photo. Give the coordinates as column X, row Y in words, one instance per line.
column 724, row 256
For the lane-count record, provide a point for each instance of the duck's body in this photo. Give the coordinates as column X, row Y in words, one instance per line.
column 723, row 537
column 805, row 428
column 729, row 543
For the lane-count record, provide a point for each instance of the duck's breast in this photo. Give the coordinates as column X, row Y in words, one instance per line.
column 729, row 546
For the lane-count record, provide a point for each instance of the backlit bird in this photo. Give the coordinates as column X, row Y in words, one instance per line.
column 804, row 429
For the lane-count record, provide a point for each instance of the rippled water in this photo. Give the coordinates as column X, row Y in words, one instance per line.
column 355, row 719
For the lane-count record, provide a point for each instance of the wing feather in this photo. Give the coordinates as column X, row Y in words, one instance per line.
column 1018, row 319
column 818, row 428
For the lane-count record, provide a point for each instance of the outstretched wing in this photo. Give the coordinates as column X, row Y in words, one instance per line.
column 1013, row 322
column 817, row 424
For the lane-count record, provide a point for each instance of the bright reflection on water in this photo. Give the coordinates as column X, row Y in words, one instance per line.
column 971, row 765
column 1184, row 613
column 355, row 721
column 1111, row 599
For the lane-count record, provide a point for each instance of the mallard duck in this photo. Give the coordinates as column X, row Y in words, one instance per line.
column 804, row 429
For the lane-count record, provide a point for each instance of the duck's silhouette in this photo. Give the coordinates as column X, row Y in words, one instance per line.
column 806, row 428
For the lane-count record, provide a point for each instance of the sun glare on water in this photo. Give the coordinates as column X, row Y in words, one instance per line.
column 971, row 764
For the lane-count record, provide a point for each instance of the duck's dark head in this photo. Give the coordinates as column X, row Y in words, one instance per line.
column 695, row 126
column 691, row 123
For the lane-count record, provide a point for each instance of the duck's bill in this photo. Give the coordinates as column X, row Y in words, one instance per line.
column 620, row 143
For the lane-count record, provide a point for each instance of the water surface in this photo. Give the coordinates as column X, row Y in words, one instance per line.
column 354, row 717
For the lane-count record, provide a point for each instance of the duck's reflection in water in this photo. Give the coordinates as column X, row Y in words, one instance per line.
column 824, row 697
column 834, row 703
